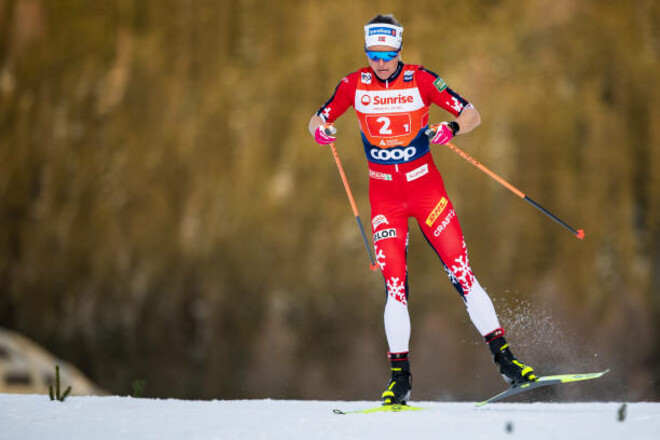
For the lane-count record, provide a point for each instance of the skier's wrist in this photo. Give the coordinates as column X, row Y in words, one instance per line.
column 454, row 127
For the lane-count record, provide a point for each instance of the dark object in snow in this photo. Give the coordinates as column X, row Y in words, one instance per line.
column 622, row 412
column 56, row 394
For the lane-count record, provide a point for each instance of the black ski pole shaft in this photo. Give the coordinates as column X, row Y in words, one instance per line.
column 578, row 233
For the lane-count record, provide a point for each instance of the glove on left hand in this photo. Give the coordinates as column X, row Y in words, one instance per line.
column 443, row 134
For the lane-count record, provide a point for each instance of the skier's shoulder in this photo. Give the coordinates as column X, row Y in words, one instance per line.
column 349, row 82
column 354, row 77
column 422, row 73
column 412, row 67
column 363, row 75
column 428, row 77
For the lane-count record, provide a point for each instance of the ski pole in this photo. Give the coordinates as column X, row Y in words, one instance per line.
column 578, row 233
column 349, row 193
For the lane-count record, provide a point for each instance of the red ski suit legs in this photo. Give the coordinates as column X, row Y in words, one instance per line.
column 415, row 189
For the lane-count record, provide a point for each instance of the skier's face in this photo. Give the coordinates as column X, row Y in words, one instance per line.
column 383, row 69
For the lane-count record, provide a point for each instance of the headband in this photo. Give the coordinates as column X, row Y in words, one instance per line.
column 378, row 34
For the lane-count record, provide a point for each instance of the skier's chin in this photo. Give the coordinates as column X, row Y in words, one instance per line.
column 383, row 74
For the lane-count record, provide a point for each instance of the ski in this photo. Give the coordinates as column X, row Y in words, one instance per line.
column 382, row 408
column 543, row 381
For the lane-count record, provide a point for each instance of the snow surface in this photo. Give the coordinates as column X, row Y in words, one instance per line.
column 36, row 417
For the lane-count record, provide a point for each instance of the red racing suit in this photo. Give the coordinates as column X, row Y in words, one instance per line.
column 403, row 179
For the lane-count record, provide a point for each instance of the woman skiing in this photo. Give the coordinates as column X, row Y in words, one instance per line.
column 392, row 101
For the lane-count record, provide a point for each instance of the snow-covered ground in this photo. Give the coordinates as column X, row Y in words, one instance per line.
column 36, row 417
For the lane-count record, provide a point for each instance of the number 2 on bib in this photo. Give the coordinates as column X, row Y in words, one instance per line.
column 388, row 125
column 385, row 129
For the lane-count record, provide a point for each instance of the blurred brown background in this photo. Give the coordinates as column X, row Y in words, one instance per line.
column 166, row 216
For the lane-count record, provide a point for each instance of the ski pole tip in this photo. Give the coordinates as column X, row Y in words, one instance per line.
column 373, row 267
column 580, row 234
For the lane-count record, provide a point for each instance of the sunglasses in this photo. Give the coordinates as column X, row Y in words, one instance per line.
column 375, row 55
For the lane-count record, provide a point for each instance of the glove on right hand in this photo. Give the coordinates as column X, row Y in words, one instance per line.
column 324, row 134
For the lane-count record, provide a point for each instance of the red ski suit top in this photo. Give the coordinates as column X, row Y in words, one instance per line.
column 404, row 182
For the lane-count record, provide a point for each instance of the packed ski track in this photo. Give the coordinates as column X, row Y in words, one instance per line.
column 36, row 417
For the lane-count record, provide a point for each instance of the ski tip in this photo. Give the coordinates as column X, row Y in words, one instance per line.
column 338, row 411
column 599, row 374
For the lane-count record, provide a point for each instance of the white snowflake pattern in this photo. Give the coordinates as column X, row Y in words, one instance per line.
column 462, row 272
column 397, row 290
column 380, row 255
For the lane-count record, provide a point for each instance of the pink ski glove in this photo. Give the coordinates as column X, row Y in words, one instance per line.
column 324, row 134
column 443, row 133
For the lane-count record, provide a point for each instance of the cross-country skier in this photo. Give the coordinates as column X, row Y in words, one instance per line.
column 392, row 101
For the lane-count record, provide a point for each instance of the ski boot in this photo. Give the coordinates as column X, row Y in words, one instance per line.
column 398, row 389
column 513, row 371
